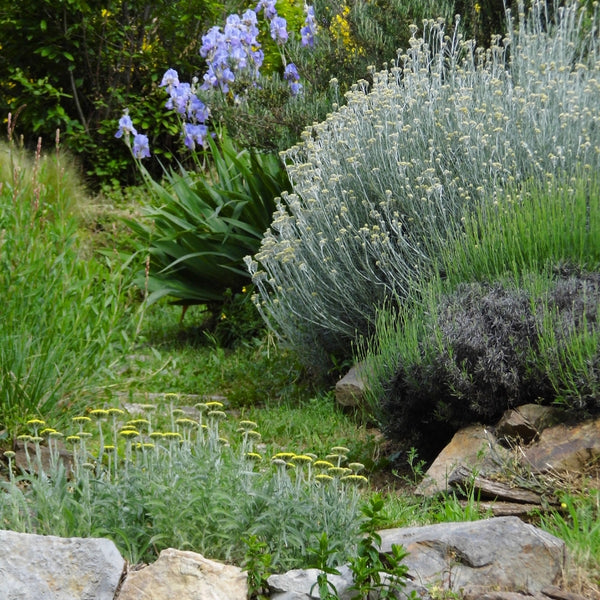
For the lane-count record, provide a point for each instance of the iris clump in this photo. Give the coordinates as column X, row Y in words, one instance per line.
column 234, row 57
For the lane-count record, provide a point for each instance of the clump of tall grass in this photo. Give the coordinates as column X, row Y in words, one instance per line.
column 536, row 227
column 62, row 315
column 578, row 524
column 380, row 187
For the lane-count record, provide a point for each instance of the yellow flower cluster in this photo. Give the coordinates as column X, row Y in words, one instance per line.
column 342, row 34
column 135, row 441
column 309, row 468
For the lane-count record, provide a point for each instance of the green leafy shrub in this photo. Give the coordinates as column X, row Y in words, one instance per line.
column 381, row 186
column 371, row 574
column 199, row 229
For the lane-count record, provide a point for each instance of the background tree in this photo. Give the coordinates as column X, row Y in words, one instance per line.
column 75, row 64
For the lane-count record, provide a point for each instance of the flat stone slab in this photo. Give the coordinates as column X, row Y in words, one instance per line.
column 471, row 447
column 565, row 448
column 501, row 553
column 40, row 567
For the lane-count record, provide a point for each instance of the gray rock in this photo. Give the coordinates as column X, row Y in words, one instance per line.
column 301, row 584
column 350, row 389
column 185, row 576
column 51, row 568
column 475, row 594
column 502, row 553
column 541, row 416
column 514, row 427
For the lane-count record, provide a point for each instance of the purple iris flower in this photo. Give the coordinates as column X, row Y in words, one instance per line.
column 258, row 56
column 279, row 30
column 141, row 147
column 249, row 19
column 269, row 7
column 295, row 88
column 194, row 134
column 125, row 126
column 179, row 98
column 291, row 74
column 197, row 111
column 211, row 40
column 310, row 27
column 170, row 79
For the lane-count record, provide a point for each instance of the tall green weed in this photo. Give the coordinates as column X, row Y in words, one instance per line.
column 62, row 315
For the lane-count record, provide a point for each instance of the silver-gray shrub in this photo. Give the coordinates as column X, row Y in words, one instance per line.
column 381, row 185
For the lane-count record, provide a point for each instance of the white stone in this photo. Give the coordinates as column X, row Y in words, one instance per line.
column 301, row 584
column 52, row 568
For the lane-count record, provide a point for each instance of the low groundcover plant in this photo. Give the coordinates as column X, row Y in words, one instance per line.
column 187, row 487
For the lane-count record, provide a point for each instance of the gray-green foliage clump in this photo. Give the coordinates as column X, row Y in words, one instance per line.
column 381, row 186
column 187, row 487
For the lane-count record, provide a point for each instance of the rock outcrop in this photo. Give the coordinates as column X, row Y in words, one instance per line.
column 350, row 389
column 475, row 446
column 478, row 558
column 494, row 554
column 185, row 576
column 480, row 459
